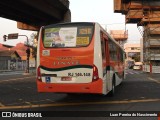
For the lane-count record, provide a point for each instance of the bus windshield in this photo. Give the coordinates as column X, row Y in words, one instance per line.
column 78, row 35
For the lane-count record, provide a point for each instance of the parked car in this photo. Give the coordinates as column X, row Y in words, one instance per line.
column 130, row 64
column 137, row 66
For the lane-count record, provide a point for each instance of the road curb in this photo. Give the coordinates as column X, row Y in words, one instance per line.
column 152, row 79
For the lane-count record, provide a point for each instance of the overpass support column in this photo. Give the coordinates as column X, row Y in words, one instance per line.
column 67, row 16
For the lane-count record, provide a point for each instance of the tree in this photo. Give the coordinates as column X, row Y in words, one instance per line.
column 32, row 43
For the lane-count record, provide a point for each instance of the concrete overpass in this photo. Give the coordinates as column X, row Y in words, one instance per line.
column 31, row 14
column 145, row 13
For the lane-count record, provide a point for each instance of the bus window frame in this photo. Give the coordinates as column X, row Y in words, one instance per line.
column 69, row 25
column 103, row 46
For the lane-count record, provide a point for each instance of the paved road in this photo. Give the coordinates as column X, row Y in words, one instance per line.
column 139, row 92
column 11, row 73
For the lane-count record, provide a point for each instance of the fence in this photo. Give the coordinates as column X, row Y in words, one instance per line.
column 10, row 65
column 151, row 69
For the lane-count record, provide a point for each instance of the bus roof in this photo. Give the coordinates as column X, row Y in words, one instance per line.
column 87, row 23
column 68, row 24
column 110, row 37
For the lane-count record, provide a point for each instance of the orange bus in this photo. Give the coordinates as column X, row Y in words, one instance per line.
column 78, row 58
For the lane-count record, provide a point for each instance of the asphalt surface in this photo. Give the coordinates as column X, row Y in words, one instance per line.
column 138, row 92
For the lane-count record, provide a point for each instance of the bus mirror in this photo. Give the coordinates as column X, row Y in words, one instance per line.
column 4, row 38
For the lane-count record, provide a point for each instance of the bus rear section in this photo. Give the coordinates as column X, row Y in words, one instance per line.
column 65, row 59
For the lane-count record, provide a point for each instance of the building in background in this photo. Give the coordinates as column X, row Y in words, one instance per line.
column 120, row 36
column 14, row 57
column 8, row 59
column 141, row 50
column 132, row 54
column 146, row 14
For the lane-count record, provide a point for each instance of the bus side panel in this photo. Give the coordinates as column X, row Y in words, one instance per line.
column 98, row 55
column 117, row 71
column 38, row 47
column 117, row 64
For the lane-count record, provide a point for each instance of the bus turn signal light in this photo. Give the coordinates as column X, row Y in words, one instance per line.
column 95, row 73
column 39, row 74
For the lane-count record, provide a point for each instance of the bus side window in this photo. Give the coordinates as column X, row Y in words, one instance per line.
column 112, row 50
column 103, row 49
column 121, row 56
column 103, row 46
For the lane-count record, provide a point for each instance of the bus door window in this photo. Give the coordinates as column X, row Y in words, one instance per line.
column 103, row 48
column 107, row 51
column 103, row 51
column 118, row 56
column 112, row 51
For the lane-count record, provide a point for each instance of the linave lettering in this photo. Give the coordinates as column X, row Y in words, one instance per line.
column 66, row 63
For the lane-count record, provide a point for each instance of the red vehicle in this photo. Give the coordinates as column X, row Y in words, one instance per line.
column 78, row 58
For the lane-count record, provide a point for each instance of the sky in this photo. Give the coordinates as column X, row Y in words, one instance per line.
column 100, row 11
column 9, row 26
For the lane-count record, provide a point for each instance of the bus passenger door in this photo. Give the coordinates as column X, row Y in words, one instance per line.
column 103, row 50
column 106, row 67
column 108, row 79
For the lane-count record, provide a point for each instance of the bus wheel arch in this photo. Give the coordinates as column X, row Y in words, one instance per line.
column 112, row 92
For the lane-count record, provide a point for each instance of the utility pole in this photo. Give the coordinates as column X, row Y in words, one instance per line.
column 15, row 36
column 28, row 53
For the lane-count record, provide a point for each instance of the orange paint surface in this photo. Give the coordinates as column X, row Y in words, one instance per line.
column 82, row 55
column 93, row 87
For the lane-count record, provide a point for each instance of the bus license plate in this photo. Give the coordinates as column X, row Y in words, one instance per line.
column 66, row 79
